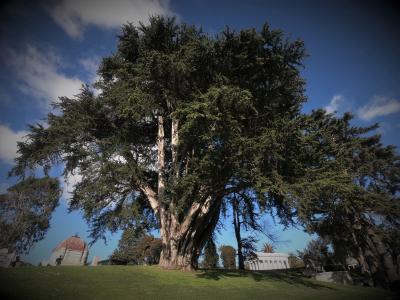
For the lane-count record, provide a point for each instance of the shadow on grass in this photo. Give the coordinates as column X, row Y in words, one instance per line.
column 288, row 276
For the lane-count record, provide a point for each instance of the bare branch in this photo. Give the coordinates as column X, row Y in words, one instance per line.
column 174, row 146
column 151, row 196
column 161, row 158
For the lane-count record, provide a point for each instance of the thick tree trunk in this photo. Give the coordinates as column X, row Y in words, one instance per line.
column 386, row 264
column 183, row 241
column 360, row 256
column 175, row 256
column 374, row 257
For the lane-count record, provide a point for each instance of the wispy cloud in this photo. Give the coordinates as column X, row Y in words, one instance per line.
column 68, row 185
column 91, row 65
column 336, row 102
column 8, row 151
column 74, row 15
column 378, row 106
column 8, row 144
column 39, row 74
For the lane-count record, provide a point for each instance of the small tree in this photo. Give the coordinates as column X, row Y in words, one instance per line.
column 244, row 216
column 135, row 247
column 25, row 212
column 148, row 250
column 210, row 255
column 295, row 261
column 228, row 256
column 268, row 248
column 317, row 254
column 155, row 251
column 126, row 245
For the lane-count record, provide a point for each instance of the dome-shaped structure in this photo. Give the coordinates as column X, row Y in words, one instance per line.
column 72, row 243
column 71, row 252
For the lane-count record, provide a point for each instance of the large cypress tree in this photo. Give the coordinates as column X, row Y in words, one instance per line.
column 183, row 119
column 350, row 194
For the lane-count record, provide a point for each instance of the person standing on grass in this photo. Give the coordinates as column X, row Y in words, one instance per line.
column 59, row 260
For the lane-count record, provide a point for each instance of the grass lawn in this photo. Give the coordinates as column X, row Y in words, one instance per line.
column 143, row 282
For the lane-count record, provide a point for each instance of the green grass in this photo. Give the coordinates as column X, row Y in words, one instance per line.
column 141, row 282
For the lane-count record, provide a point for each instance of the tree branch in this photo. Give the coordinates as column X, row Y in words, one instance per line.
column 174, row 146
column 161, row 159
column 195, row 209
column 151, row 196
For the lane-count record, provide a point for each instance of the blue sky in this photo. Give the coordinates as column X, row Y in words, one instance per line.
column 49, row 48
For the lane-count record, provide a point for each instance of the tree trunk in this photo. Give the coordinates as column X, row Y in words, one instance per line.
column 174, row 256
column 183, row 241
column 385, row 261
column 236, row 225
column 374, row 258
column 360, row 256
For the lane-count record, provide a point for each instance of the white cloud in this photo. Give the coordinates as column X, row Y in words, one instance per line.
column 39, row 74
column 74, row 15
column 8, row 144
column 68, row 185
column 91, row 65
column 334, row 104
column 379, row 106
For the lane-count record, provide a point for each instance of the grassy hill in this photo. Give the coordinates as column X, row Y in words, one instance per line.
column 141, row 282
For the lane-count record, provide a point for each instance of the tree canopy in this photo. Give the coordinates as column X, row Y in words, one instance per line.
column 137, row 247
column 211, row 256
column 228, row 256
column 184, row 119
column 353, row 199
column 25, row 212
column 126, row 250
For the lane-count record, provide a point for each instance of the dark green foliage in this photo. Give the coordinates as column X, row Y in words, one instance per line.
column 244, row 217
column 228, row 256
column 234, row 104
column 125, row 252
column 235, row 101
column 148, row 250
column 136, row 247
column 210, row 255
column 350, row 195
column 236, row 97
column 249, row 247
column 25, row 212
column 317, row 254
